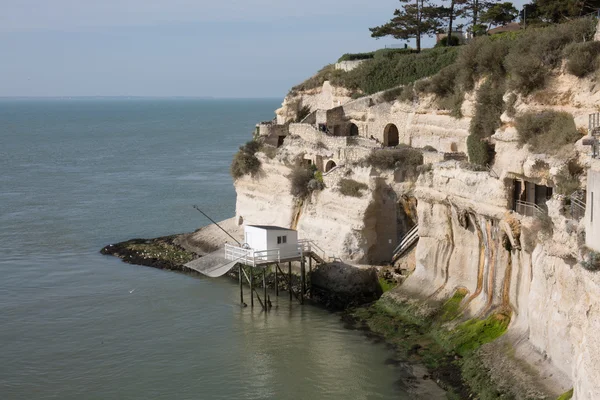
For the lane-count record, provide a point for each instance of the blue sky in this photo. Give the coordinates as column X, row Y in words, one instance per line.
column 225, row 48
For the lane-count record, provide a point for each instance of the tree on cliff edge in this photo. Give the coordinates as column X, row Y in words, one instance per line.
column 412, row 21
column 557, row 11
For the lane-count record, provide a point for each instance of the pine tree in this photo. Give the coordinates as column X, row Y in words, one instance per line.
column 455, row 10
column 500, row 14
column 557, row 11
column 412, row 21
column 473, row 10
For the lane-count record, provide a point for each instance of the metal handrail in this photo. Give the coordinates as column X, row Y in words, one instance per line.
column 252, row 257
column 409, row 237
column 529, row 209
column 310, row 244
column 578, row 202
column 578, row 207
column 492, row 173
column 332, row 169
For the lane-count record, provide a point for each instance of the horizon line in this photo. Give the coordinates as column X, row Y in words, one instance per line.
column 139, row 97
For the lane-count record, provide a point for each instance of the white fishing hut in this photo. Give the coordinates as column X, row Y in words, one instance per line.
column 266, row 244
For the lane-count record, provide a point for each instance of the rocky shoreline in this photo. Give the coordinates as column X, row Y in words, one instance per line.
column 413, row 331
column 335, row 286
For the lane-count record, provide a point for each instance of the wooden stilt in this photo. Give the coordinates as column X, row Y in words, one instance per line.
column 310, row 267
column 276, row 280
column 290, row 279
column 241, row 273
column 302, row 281
column 251, row 287
column 265, row 286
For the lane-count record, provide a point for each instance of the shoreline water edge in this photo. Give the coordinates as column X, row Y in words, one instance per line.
column 431, row 336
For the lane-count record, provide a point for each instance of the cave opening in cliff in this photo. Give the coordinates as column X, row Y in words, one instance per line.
column 390, row 136
column 529, row 198
column 353, row 130
column 330, row 165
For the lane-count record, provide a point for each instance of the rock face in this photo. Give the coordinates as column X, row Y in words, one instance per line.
column 470, row 237
column 339, row 285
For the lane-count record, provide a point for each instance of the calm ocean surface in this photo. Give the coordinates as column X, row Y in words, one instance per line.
column 76, row 175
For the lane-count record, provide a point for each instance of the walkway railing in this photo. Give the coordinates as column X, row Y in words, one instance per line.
column 407, row 241
column 253, row 257
column 310, row 246
column 332, row 169
column 530, row 209
column 492, row 173
column 577, row 208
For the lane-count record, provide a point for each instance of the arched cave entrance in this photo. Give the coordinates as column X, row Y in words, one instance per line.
column 353, row 130
column 390, row 136
column 330, row 165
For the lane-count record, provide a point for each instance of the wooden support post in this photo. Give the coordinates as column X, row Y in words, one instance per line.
column 265, row 286
column 276, row 280
column 290, row 279
column 241, row 272
column 302, row 280
column 310, row 267
column 252, row 287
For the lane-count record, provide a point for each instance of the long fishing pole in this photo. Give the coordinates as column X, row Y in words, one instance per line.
column 214, row 222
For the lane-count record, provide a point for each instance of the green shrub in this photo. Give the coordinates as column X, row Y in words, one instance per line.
column 511, row 111
column 392, row 94
column 245, row 161
column 300, row 177
column 390, row 69
column 402, row 157
column 568, row 395
column 327, row 73
column 442, row 84
column 547, row 132
column 350, row 187
column 454, row 41
column 356, row 56
column 528, row 73
column 408, row 93
column 488, row 109
column 305, row 180
column 591, row 261
column 482, row 57
column 566, row 181
column 582, row 58
column 269, row 150
column 478, row 149
column 537, row 51
column 302, row 113
column 429, row 148
column 390, row 53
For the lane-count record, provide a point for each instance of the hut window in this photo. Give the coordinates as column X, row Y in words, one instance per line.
column 281, row 239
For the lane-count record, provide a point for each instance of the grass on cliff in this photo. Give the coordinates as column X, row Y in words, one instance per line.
column 566, row 396
column 521, row 62
column 449, row 353
column 384, row 70
column 403, row 156
column 386, row 285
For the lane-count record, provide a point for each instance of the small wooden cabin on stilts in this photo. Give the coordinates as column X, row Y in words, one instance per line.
column 271, row 247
